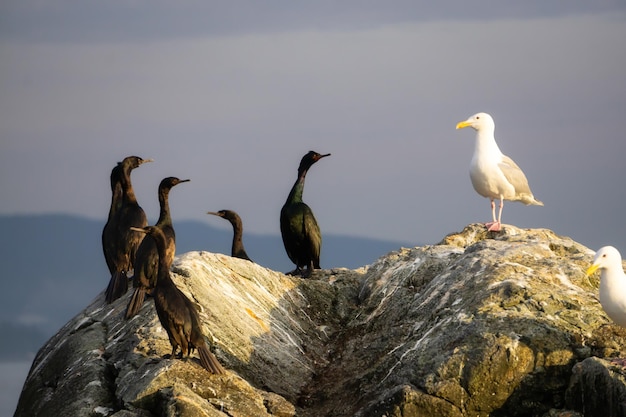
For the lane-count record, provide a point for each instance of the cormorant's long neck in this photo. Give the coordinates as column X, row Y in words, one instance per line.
column 164, row 214
column 116, row 199
column 295, row 195
column 237, row 247
column 127, row 187
column 116, row 190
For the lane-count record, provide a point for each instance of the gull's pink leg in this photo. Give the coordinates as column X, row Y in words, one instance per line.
column 495, row 226
column 488, row 225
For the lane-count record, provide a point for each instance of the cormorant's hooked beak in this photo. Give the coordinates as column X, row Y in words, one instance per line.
column 593, row 268
column 143, row 161
column 215, row 213
column 321, row 156
column 138, row 229
column 187, row 180
column 465, row 123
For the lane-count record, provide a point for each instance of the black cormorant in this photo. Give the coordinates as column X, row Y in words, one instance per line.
column 298, row 227
column 147, row 259
column 124, row 243
column 177, row 314
column 109, row 233
column 237, row 250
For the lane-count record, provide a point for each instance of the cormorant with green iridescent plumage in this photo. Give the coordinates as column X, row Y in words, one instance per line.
column 123, row 243
column 147, row 257
column 177, row 314
column 301, row 234
column 237, row 250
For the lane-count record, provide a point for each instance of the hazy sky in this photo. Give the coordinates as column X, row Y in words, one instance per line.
column 232, row 94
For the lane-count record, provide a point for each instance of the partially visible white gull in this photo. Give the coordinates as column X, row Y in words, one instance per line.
column 493, row 174
column 612, row 283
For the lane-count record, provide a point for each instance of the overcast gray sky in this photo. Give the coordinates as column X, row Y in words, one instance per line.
column 232, row 94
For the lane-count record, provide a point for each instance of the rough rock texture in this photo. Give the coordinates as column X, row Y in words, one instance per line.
column 480, row 324
column 598, row 388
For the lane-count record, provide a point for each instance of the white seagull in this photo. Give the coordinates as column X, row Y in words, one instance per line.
column 612, row 283
column 493, row 174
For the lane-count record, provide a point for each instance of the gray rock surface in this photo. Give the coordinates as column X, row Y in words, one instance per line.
column 480, row 324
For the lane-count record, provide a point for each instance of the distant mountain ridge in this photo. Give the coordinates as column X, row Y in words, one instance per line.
column 53, row 267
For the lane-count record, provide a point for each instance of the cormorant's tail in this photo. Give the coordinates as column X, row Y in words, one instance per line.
column 209, row 361
column 135, row 303
column 118, row 285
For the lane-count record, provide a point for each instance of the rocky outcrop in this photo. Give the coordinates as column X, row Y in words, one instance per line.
column 598, row 388
column 480, row 324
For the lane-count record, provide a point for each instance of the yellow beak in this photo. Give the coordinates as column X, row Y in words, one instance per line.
column 461, row 125
column 593, row 268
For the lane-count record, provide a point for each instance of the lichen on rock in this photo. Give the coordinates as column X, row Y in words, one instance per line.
column 480, row 324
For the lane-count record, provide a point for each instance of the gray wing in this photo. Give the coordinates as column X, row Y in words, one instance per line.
column 514, row 175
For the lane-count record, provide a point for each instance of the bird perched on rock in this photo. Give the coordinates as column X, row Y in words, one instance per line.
column 237, row 250
column 493, row 174
column 109, row 233
column 176, row 312
column 120, row 243
column 301, row 234
column 612, row 283
column 147, row 257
